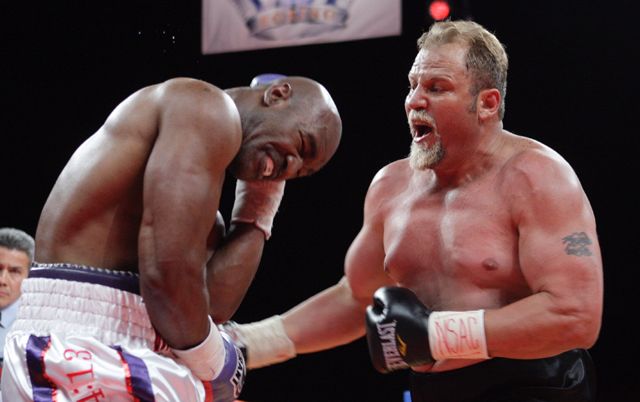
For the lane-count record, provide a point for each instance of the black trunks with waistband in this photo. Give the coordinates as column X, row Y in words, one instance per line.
column 567, row 377
column 122, row 280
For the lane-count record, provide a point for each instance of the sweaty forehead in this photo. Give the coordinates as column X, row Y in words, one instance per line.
column 449, row 58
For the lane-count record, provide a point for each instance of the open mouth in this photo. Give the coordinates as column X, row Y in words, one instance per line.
column 420, row 131
column 270, row 166
column 267, row 167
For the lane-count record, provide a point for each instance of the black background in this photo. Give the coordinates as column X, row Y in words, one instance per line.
column 572, row 85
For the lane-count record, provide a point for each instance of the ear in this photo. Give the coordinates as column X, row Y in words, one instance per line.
column 277, row 93
column 488, row 103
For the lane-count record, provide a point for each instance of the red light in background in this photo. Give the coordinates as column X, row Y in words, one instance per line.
column 439, row 9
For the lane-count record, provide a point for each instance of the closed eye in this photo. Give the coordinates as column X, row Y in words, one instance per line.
column 308, row 146
column 302, row 148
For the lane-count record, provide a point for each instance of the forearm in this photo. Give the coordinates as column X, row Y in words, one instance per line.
column 232, row 268
column 329, row 319
column 165, row 280
column 181, row 321
column 234, row 264
column 540, row 326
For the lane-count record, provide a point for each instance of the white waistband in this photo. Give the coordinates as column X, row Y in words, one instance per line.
column 70, row 308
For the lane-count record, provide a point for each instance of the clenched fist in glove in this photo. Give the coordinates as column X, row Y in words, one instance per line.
column 402, row 332
column 257, row 202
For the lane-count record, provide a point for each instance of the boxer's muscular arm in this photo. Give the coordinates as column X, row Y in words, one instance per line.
column 232, row 268
column 326, row 320
column 331, row 318
column 336, row 315
column 199, row 133
column 233, row 259
column 560, row 259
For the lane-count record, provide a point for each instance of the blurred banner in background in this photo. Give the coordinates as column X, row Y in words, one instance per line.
column 238, row 25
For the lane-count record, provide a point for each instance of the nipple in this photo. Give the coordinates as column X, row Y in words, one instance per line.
column 490, row 264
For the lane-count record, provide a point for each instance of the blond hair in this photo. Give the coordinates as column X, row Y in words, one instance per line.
column 486, row 57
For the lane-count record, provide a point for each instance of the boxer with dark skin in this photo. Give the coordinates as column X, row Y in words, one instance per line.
column 479, row 224
column 142, row 193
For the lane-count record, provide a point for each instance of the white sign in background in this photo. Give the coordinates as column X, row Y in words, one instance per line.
column 239, row 25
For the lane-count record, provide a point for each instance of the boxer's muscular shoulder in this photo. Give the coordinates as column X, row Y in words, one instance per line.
column 204, row 102
column 365, row 259
column 392, row 175
column 176, row 89
column 392, row 171
column 535, row 166
column 384, row 189
column 184, row 103
column 537, row 175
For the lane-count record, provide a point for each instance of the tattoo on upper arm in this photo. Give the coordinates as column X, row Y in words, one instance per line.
column 577, row 244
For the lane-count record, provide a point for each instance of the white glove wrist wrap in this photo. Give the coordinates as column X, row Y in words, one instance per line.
column 266, row 342
column 257, row 202
column 206, row 359
column 457, row 335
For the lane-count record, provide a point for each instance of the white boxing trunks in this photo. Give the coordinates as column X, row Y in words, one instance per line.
column 83, row 334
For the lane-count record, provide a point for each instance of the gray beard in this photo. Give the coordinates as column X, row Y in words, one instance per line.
column 421, row 158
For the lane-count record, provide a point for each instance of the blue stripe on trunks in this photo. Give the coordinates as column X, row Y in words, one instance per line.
column 138, row 375
column 43, row 389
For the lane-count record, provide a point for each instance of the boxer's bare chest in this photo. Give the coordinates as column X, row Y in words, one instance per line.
column 450, row 241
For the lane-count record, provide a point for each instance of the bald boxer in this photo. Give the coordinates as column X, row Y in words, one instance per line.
column 477, row 265
column 134, row 264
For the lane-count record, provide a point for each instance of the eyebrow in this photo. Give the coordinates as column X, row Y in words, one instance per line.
column 429, row 77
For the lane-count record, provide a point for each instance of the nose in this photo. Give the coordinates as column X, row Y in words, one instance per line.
column 415, row 99
column 4, row 276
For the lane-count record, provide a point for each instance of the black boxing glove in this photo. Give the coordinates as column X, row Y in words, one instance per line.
column 403, row 332
column 397, row 330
